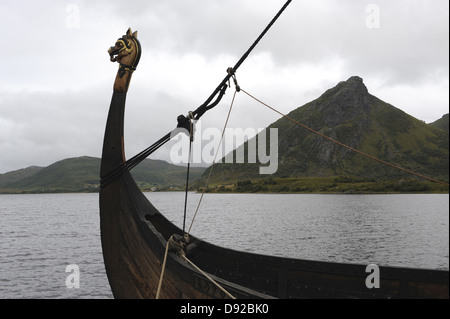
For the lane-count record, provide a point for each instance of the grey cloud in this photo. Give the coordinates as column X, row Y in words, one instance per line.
column 57, row 81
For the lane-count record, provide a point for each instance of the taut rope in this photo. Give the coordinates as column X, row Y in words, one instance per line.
column 214, row 161
column 343, row 145
column 179, row 248
column 206, row 106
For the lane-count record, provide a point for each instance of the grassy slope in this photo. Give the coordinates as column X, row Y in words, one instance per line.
column 81, row 174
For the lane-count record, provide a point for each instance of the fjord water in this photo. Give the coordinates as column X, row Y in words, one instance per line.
column 40, row 235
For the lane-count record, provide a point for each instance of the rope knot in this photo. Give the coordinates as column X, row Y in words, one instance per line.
column 232, row 73
column 188, row 123
column 178, row 244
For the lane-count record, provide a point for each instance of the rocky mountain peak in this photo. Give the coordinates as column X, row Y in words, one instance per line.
column 346, row 101
column 352, row 90
column 354, row 82
column 348, row 113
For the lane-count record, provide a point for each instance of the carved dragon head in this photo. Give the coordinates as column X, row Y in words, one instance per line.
column 126, row 51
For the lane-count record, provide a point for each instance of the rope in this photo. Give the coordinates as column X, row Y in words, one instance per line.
column 208, row 277
column 163, row 268
column 132, row 162
column 205, row 107
column 343, row 145
column 219, row 91
column 214, row 161
column 179, row 246
column 187, row 180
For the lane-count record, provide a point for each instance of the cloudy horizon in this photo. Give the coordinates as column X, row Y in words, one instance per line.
column 56, row 81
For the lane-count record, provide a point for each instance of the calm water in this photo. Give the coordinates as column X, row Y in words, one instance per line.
column 40, row 235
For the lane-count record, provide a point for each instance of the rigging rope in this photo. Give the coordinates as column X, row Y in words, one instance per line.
column 208, row 277
column 132, row 162
column 206, row 106
column 344, row 145
column 214, row 161
column 161, row 276
column 191, row 139
column 173, row 245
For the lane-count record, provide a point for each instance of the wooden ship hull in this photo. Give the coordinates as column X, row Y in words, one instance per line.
column 134, row 236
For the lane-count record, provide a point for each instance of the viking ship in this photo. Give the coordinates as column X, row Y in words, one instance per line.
column 147, row 256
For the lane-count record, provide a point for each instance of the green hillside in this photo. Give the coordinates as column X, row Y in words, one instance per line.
column 17, row 175
column 307, row 162
column 349, row 114
column 442, row 123
column 81, row 174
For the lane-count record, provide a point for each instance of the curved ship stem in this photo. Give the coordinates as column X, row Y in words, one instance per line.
column 135, row 235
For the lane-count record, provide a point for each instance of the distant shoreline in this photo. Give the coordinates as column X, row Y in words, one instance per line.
column 230, row 192
column 328, row 185
column 304, row 185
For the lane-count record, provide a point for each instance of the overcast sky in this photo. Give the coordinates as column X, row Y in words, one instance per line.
column 56, row 78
